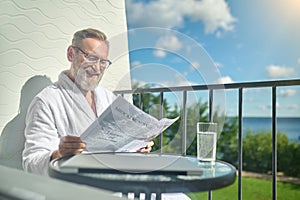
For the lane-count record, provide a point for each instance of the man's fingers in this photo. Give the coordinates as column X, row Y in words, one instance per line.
column 147, row 148
column 70, row 138
column 72, row 145
column 65, row 152
column 150, row 144
column 69, row 151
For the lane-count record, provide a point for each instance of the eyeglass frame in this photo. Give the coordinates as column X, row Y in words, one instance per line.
column 86, row 55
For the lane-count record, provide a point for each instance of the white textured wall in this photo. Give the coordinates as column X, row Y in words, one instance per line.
column 34, row 36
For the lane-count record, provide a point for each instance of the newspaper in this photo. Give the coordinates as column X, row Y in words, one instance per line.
column 123, row 127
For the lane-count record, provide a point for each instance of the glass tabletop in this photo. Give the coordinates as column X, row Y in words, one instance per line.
column 213, row 175
column 209, row 170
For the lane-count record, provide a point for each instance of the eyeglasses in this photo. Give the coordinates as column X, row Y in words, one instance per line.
column 91, row 58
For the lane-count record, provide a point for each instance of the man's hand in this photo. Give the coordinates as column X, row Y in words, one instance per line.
column 69, row 145
column 147, row 148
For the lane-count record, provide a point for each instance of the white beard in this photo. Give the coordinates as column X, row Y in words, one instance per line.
column 83, row 78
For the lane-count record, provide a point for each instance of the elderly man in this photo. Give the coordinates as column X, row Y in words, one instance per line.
column 61, row 112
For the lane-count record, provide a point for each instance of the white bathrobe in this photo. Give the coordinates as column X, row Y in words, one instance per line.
column 57, row 111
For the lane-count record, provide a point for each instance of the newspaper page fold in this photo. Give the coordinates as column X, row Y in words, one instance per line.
column 123, row 127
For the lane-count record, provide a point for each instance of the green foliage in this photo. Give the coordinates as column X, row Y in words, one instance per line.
column 195, row 113
column 227, row 148
column 172, row 136
column 257, row 153
column 288, row 154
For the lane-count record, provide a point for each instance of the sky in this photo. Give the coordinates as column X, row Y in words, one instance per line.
column 193, row 42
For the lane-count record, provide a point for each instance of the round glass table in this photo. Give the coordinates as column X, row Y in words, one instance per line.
column 143, row 173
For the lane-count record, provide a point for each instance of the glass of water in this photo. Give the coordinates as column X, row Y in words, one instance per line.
column 207, row 141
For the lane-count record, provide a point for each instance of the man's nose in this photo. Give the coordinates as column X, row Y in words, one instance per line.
column 96, row 66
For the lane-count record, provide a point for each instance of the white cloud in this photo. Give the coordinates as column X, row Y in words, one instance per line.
column 224, row 80
column 138, row 83
column 277, row 106
column 262, row 107
column 287, row 92
column 275, row 71
column 185, row 74
column 299, row 61
column 215, row 14
column 178, row 82
column 218, row 65
column 135, row 63
column 194, row 66
column 293, row 107
column 167, row 42
column 159, row 53
column 162, row 13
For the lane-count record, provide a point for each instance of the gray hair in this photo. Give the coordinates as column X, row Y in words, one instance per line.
column 89, row 33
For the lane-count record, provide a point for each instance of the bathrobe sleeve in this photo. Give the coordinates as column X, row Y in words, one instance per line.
column 41, row 137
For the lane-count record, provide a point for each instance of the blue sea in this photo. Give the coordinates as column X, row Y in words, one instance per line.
column 290, row 126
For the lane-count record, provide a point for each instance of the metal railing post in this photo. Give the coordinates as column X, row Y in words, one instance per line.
column 211, row 99
column 141, row 100
column 240, row 143
column 161, row 113
column 184, row 123
column 274, row 145
column 211, row 102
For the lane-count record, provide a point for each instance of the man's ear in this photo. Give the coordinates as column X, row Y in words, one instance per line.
column 70, row 54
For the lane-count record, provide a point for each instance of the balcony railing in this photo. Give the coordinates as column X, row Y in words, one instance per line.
column 240, row 87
